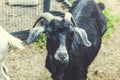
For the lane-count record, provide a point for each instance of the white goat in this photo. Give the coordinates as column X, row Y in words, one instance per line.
column 5, row 40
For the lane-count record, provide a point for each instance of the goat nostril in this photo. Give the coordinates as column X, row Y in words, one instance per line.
column 62, row 56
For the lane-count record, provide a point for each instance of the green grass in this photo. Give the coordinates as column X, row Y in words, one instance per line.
column 111, row 21
column 41, row 41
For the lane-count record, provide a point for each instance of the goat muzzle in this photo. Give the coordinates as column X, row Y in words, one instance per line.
column 62, row 58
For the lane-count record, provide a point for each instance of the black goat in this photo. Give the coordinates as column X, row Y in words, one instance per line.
column 72, row 44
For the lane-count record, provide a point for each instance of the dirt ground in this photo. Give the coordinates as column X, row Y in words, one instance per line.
column 28, row 64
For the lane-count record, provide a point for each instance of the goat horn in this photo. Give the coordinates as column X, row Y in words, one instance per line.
column 47, row 16
column 69, row 17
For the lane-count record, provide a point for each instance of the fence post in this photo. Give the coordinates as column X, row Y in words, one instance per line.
column 46, row 5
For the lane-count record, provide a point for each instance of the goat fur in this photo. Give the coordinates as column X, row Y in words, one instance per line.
column 88, row 16
column 72, row 46
column 5, row 40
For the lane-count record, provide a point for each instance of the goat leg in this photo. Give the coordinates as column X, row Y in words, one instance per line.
column 3, row 72
column 5, row 68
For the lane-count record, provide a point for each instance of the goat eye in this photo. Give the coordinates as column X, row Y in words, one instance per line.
column 49, row 36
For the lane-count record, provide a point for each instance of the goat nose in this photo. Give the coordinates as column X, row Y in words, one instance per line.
column 62, row 56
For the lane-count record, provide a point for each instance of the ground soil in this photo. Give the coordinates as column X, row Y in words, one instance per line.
column 29, row 64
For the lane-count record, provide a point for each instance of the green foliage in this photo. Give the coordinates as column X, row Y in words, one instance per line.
column 111, row 21
column 110, row 18
column 41, row 41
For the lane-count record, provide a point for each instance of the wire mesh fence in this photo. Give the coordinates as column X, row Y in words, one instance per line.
column 57, row 6
column 17, row 18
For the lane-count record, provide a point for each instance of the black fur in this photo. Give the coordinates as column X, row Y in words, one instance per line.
column 88, row 16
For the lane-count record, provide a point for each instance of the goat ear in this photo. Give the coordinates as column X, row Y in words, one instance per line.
column 84, row 36
column 81, row 32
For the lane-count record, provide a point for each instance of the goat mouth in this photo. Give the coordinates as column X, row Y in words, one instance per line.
column 62, row 62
